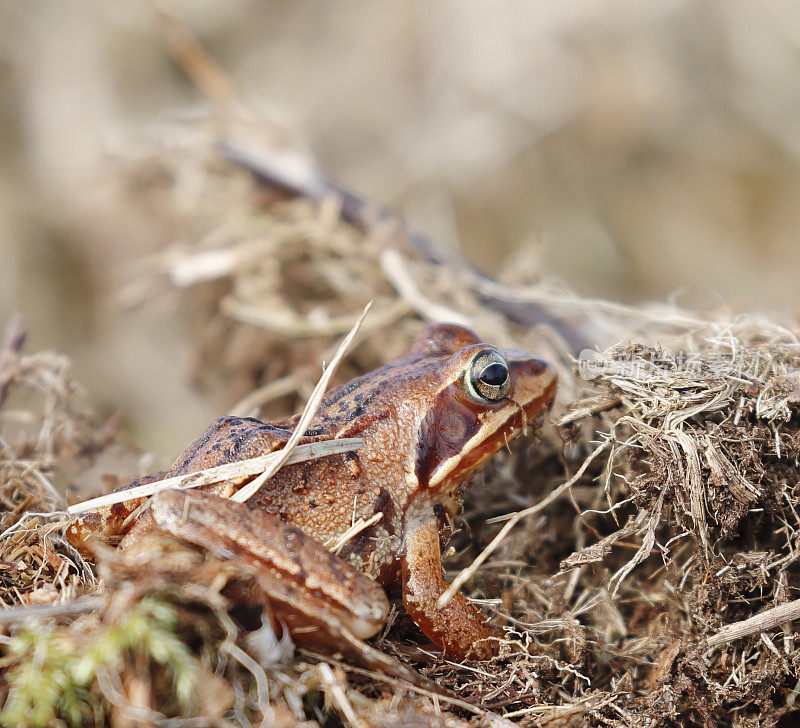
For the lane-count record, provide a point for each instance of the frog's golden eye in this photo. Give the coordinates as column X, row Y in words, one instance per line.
column 487, row 378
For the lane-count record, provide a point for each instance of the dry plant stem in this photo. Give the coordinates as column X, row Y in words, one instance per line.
column 668, row 315
column 589, row 411
column 13, row 340
column 229, row 471
column 269, row 167
column 396, row 272
column 198, row 65
column 513, row 520
column 561, row 716
column 43, row 611
column 444, row 697
column 309, row 412
column 339, row 696
column 337, row 545
column 762, row 622
column 257, row 671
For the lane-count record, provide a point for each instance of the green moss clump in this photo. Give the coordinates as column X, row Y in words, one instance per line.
column 54, row 672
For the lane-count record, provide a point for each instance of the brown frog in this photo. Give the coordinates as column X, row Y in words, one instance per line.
column 427, row 420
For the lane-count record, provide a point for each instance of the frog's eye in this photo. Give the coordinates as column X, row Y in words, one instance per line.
column 487, row 378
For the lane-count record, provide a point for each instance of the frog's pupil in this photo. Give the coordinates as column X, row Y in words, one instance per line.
column 494, row 375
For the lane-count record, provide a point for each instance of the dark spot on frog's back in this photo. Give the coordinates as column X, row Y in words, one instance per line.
column 91, row 520
column 236, row 424
column 362, row 403
column 338, row 394
column 118, row 510
column 335, row 570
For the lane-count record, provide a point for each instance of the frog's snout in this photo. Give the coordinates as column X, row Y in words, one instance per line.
column 534, row 383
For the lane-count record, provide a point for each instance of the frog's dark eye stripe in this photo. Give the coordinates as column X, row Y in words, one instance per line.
column 487, row 377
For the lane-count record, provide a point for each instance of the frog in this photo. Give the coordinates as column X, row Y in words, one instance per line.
column 427, row 420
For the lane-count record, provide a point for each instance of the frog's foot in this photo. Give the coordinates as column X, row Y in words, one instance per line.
column 459, row 628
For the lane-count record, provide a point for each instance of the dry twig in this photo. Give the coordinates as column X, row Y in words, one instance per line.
column 761, row 622
column 308, row 414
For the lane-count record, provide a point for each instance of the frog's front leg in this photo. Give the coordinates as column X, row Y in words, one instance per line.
column 459, row 628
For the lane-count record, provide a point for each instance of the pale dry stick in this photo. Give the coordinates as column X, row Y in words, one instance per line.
column 664, row 314
column 283, row 322
column 594, row 409
column 336, row 545
column 204, row 71
column 24, row 612
column 512, row 520
column 411, row 687
column 262, row 682
column 229, row 471
column 561, row 716
column 762, row 622
column 395, row 270
column 308, row 414
column 340, row 696
column 10, row 347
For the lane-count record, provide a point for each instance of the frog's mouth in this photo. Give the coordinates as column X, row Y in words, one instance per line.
column 530, row 397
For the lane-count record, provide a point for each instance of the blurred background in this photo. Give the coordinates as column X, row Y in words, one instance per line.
column 636, row 150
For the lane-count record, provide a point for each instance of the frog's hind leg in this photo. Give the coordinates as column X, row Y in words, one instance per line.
column 320, row 598
column 106, row 524
column 309, row 588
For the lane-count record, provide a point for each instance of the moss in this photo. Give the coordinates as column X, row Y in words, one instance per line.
column 54, row 671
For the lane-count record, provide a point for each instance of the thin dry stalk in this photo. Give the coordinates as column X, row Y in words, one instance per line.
column 229, row 471
column 762, row 622
column 308, row 414
column 512, row 520
column 337, row 544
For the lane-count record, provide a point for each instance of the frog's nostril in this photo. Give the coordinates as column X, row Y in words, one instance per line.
column 533, row 367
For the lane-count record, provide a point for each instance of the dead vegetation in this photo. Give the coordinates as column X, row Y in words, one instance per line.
column 680, row 446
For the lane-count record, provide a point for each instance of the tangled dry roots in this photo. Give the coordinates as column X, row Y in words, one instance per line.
column 613, row 599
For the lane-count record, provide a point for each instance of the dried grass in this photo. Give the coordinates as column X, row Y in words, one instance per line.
column 612, row 597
